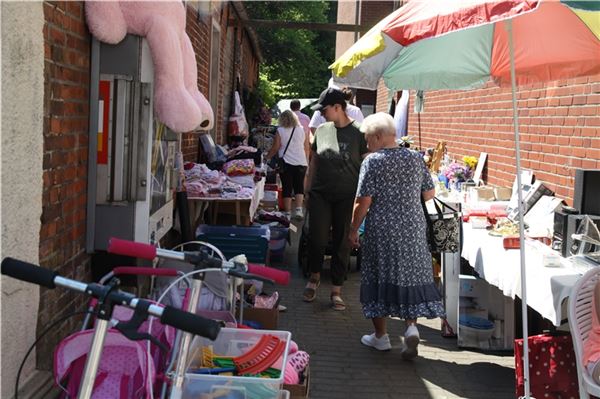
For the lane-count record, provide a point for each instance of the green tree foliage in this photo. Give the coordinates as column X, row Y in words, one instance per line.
column 296, row 60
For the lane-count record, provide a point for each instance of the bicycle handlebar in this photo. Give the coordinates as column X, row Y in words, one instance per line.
column 149, row 252
column 168, row 315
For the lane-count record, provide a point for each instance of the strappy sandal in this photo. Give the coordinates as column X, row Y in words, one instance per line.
column 310, row 293
column 337, row 303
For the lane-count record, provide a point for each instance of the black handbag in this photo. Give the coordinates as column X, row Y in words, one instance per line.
column 277, row 163
column 443, row 227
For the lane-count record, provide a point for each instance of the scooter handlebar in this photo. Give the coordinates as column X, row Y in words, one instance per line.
column 147, row 251
column 131, row 248
column 190, row 322
column 279, row 276
column 28, row 272
column 144, row 271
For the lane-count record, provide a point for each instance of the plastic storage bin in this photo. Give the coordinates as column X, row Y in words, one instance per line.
column 252, row 241
column 276, row 187
column 277, row 243
column 233, row 342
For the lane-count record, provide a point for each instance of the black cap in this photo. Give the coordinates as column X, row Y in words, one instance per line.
column 329, row 96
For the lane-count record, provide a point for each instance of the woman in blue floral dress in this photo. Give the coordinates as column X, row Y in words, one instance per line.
column 396, row 269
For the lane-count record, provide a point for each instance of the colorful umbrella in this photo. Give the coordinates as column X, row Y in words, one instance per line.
column 451, row 44
column 462, row 44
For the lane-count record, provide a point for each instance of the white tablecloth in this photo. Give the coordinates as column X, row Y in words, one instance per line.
column 547, row 287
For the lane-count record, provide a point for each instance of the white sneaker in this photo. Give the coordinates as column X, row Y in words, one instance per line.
column 381, row 344
column 299, row 214
column 411, row 342
column 287, row 215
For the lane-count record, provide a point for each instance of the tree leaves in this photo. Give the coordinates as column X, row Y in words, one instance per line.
column 296, row 60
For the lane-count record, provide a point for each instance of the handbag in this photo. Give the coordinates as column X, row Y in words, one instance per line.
column 277, row 163
column 443, row 228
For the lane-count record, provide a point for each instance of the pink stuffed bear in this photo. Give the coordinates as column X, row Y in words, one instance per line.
column 177, row 101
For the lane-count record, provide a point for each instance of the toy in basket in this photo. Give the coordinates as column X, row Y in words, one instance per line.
column 251, row 353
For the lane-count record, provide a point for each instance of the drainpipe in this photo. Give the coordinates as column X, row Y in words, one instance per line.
column 356, row 18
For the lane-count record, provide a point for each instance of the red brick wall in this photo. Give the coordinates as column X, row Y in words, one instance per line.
column 372, row 12
column 66, row 109
column 199, row 33
column 246, row 65
column 559, row 125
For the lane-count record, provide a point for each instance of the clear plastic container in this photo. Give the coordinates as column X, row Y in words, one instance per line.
column 233, row 342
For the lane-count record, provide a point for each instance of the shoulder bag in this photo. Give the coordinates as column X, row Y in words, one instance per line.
column 443, row 227
column 277, row 163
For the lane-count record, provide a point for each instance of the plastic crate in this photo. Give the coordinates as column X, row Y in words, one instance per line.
column 279, row 236
column 252, row 241
column 276, row 187
column 233, row 342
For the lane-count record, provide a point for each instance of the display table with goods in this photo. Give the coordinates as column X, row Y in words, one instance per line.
column 236, row 192
column 547, row 286
column 484, row 315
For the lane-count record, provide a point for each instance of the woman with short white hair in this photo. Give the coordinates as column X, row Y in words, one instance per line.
column 396, row 272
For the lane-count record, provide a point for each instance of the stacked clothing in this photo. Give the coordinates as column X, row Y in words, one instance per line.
column 201, row 182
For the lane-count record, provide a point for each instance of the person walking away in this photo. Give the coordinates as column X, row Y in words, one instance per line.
column 336, row 154
column 352, row 111
column 291, row 144
column 302, row 117
column 396, row 269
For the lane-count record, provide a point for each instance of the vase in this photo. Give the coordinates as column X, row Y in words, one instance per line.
column 455, row 184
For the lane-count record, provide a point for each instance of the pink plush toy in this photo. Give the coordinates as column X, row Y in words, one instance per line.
column 177, row 101
column 296, row 363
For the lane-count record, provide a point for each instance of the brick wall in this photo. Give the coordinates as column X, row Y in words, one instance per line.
column 559, row 125
column 249, row 72
column 198, row 29
column 244, row 63
column 372, row 12
column 230, row 62
column 66, row 109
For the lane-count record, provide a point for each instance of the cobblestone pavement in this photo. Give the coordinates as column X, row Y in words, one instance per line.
column 341, row 367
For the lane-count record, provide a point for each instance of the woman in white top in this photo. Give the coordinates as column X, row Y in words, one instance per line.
column 292, row 144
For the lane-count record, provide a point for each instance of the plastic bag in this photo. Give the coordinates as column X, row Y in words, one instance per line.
column 237, row 125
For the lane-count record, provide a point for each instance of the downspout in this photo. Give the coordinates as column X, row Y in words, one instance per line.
column 235, row 67
column 356, row 18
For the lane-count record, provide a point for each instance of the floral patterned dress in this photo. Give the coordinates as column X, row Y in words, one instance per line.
column 396, row 270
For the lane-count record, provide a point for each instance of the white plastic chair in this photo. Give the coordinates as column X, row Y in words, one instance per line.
column 580, row 322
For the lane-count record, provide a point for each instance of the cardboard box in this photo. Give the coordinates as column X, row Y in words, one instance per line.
column 502, row 193
column 268, row 318
column 300, row 391
column 485, row 193
column 270, row 200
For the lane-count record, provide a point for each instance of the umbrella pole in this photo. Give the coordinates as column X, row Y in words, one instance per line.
column 520, row 212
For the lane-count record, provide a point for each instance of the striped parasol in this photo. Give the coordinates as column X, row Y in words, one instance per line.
column 452, row 44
